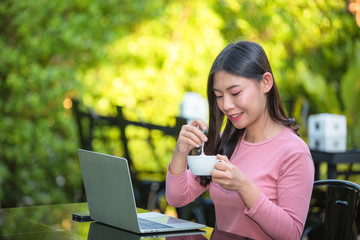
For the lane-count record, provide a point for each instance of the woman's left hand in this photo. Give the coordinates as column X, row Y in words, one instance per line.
column 231, row 178
column 227, row 175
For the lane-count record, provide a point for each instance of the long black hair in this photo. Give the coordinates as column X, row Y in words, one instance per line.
column 248, row 60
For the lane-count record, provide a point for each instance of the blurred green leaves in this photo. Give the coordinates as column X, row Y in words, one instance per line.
column 44, row 46
column 144, row 55
column 156, row 63
column 311, row 46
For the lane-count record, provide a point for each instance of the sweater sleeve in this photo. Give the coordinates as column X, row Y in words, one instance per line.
column 182, row 189
column 294, row 192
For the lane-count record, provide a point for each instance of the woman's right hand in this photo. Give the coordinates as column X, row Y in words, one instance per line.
column 191, row 136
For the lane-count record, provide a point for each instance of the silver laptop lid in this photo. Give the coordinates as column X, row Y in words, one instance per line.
column 109, row 190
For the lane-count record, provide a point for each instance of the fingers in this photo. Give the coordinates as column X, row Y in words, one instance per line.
column 221, row 172
column 199, row 123
column 227, row 175
column 191, row 135
column 222, row 164
column 194, row 131
column 223, row 158
column 221, row 167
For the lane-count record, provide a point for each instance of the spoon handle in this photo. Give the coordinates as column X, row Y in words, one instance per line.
column 202, row 145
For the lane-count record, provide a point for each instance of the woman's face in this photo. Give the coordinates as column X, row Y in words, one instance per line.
column 242, row 100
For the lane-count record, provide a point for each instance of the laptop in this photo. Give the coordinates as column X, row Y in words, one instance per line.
column 111, row 200
column 99, row 231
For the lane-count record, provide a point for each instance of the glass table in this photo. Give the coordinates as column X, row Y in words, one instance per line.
column 55, row 222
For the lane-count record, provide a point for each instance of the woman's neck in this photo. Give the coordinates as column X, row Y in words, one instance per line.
column 263, row 131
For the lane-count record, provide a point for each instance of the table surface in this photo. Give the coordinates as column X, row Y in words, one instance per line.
column 332, row 160
column 55, row 222
column 350, row 156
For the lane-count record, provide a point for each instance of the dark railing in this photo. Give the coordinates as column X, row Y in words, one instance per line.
column 87, row 120
column 86, row 135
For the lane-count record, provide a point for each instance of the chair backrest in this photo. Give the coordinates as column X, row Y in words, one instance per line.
column 333, row 207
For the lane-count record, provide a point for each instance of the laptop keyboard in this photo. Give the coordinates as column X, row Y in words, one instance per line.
column 146, row 224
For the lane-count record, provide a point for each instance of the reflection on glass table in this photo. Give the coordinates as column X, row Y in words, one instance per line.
column 55, row 222
column 99, row 231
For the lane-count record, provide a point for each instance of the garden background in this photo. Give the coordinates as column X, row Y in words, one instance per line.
column 143, row 56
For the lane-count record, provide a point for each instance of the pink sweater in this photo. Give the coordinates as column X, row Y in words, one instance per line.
column 283, row 170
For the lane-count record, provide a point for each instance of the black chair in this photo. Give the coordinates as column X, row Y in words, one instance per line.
column 333, row 211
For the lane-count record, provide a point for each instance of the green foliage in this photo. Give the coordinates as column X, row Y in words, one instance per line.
column 157, row 63
column 350, row 93
column 44, row 45
column 144, row 55
column 312, row 46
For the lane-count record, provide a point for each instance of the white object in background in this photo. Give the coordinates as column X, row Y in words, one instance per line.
column 327, row 132
column 194, row 106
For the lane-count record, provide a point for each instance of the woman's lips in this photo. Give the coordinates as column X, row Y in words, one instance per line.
column 235, row 117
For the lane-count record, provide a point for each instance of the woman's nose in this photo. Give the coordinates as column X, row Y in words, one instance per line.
column 228, row 103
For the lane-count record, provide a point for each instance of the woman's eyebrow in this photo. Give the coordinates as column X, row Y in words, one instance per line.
column 228, row 88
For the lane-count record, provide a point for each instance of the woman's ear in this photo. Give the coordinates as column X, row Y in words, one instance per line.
column 267, row 82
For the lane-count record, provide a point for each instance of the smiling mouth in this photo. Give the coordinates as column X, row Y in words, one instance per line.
column 235, row 116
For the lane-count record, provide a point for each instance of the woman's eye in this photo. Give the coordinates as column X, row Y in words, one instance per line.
column 218, row 96
column 236, row 93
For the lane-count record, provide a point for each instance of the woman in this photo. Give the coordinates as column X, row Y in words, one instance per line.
column 262, row 188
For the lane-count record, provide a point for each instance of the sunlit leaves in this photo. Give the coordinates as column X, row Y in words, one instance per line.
column 144, row 55
column 159, row 61
column 43, row 45
column 320, row 35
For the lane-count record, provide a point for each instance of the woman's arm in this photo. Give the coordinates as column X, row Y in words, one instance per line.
column 182, row 189
column 286, row 218
column 181, row 185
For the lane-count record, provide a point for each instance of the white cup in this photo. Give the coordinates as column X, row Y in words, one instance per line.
column 201, row 165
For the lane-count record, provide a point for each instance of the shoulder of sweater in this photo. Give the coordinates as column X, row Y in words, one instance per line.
column 293, row 142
